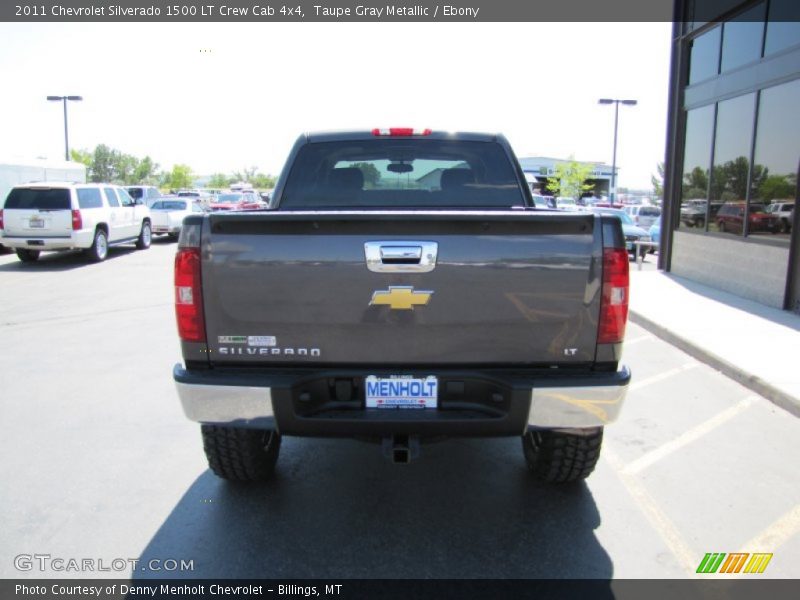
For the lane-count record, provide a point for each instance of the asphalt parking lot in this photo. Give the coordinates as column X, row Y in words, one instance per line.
column 99, row 462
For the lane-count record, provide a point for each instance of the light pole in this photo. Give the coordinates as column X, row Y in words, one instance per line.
column 613, row 191
column 66, row 134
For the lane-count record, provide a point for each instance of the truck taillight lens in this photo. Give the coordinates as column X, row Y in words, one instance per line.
column 1, row 218
column 189, row 296
column 401, row 131
column 77, row 220
column 614, row 301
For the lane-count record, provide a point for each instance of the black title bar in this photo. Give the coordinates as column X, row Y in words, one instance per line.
column 374, row 11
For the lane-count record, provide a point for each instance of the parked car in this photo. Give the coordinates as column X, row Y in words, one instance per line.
column 146, row 193
column 643, row 216
column 630, row 230
column 566, row 203
column 237, row 201
column 168, row 213
column 540, row 201
column 39, row 217
column 784, row 210
column 730, row 218
column 655, row 235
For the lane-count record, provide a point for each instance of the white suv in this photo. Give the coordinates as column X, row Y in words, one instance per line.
column 70, row 216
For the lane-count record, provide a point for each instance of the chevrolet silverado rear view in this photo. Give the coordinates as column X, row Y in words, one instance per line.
column 402, row 287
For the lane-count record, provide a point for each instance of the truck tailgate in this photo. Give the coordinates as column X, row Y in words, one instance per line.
column 506, row 288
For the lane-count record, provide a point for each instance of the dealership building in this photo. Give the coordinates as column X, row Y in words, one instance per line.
column 538, row 169
column 733, row 149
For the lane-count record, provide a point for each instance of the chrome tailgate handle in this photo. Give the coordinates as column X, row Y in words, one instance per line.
column 401, row 256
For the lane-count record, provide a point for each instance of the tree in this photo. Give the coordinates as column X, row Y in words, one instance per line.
column 102, row 169
column 180, row 177
column 124, row 166
column 81, row 156
column 146, row 171
column 775, row 187
column 729, row 180
column 370, row 172
column 658, row 181
column 569, row 179
column 219, row 180
column 695, row 184
column 245, row 174
column 108, row 165
column 261, row 181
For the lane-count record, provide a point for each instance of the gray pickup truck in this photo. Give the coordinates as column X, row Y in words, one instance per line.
column 402, row 287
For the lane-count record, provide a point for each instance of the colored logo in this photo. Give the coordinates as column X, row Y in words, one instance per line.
column 400, row 298
column 735, row 562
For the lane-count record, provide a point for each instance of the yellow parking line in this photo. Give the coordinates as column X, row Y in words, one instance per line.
column 663, row 525
column 776, row 534
column 687, row 437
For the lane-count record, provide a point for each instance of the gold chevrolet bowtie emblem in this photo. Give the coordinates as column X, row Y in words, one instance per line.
column 400, row 298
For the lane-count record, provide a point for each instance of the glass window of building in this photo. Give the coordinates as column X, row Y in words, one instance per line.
column 731, row 167
column 783, row 26
column 704, row 57
column 696, row 161
column 777, row 159
column 742, row 38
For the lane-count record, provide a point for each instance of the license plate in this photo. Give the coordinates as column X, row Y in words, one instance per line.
column 160, row 229
column 35, row 222
column 401, row 392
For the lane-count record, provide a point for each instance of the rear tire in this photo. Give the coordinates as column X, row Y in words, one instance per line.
column 145, row 236
column 28, row 255
column 98, row 251
column 241, row 454
column 559, row 457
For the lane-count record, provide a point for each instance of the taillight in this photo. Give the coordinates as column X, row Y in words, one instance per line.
column 1, row 218
column 189, row 296
column 77, row 220
column 614, row 301
column 401, row 131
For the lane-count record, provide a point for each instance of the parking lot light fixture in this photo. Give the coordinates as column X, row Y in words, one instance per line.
column 616, row 102
column 64, row 99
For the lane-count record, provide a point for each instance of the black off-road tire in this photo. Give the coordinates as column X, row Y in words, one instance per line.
column 559, row 457
column 145, row 236
column 241, row 454
column 26, row 255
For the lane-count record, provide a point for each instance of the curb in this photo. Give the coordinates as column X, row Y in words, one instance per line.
column 752, row 382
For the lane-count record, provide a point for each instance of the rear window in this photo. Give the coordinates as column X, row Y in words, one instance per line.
column 169, row 205
column 407, row 173
column 136, row 193
column 39, row 198
column 648, row 211
column 89, row 198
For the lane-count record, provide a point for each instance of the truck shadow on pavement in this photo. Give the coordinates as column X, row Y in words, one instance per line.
column 338, row 509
